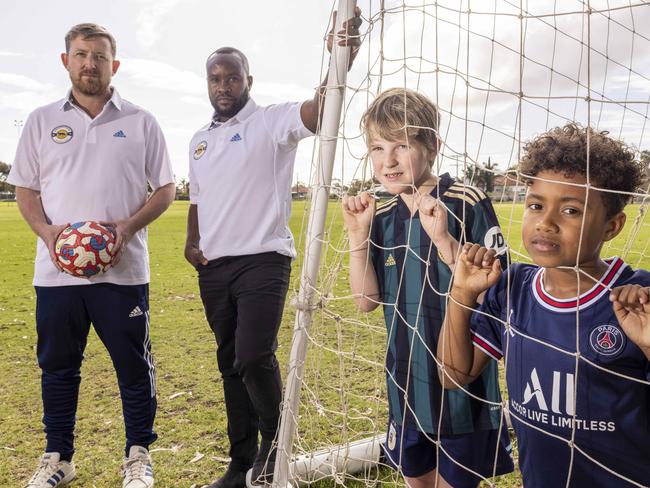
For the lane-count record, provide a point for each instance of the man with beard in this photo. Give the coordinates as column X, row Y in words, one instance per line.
column 90, row 156
column 238, row 239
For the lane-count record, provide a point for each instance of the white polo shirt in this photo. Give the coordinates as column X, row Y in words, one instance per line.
column 240, row 180
column 92, row 169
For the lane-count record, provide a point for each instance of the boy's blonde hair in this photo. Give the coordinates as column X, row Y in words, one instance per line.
column 400, row 112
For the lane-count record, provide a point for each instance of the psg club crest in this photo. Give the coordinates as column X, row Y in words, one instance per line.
column 61, row 134
column 200, row 149
column 607, row 340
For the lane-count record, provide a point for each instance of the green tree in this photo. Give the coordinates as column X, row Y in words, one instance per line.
column 4, row 170
column 183, row 189
column 482, row 175
column 4, row 186
column 645, row 159
column 488, row 175
column 357, row 186
column 338, row 189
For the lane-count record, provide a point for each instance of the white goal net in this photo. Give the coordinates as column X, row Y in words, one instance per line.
column 501, row 72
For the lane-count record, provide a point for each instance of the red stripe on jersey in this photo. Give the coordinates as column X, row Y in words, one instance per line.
column 584, row 299
column 486, row 346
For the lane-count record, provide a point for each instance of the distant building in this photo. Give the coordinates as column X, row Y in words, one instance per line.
column 299, row 192
column 7, row 196
column 508, row 187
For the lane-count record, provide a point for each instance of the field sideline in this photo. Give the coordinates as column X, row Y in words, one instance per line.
column 192, row 445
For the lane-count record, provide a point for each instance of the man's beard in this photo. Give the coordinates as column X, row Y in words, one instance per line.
column 237, row 105
column 91, row 87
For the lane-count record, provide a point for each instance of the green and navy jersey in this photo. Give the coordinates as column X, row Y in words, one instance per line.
column 413, row 283
column 599, row 400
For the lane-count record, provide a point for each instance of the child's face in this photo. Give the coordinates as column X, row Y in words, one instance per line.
column 399, row 165
column 553, row 216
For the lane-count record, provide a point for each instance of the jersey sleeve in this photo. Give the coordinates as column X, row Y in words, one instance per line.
column 25, row 172
column 485, row 229
column 284, row 123
column 158, row 166
column 486, row 323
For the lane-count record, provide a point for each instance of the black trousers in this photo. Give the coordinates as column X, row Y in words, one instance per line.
column 243, row 297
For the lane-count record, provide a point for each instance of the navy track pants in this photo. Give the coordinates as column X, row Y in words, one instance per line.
column 120, row 316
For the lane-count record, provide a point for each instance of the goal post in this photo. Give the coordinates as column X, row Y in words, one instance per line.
column 329, row 131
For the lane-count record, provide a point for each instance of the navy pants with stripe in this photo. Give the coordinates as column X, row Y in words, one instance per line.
column 243, row 297
column 120, row 316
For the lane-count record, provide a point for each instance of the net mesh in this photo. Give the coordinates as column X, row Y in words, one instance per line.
column 500, row 72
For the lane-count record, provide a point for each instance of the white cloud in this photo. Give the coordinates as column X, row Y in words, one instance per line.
column 20, row 81
column 25, row 100
column 22, row 93
column 193, row 100
column 162, row 76
column 153, row 13
column 166, row 42
column 280, row 91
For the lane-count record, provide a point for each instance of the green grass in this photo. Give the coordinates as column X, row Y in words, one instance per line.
column 191, row 414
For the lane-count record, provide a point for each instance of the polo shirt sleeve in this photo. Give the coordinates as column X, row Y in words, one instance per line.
column 194, row 183
column 486, row 326
column 25, row 172
column 158, row 167
column 284, row 123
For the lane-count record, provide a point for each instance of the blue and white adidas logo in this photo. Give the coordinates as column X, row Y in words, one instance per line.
column 235, row 138
column 119, row 133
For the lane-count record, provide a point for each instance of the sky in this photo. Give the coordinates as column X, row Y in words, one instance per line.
column 471, row 64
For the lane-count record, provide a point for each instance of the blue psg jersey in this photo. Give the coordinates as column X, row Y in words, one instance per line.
column 413, row 282
column 573, row 378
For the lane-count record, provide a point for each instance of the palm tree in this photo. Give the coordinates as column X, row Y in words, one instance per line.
column 482, row 175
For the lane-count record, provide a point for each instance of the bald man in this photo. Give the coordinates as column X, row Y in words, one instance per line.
column 238, row 239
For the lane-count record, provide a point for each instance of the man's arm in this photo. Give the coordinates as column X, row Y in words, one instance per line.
column 31, row 208
column 193, row 253
column 311, row 111
column 157, row 203
column 475, row 271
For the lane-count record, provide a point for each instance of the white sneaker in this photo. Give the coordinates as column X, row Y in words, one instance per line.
column 138, row 472
column 52, row 472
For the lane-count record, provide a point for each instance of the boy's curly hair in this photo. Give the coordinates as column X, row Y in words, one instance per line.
column 612, row 165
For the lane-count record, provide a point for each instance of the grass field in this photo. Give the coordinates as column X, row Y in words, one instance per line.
column 192, row 444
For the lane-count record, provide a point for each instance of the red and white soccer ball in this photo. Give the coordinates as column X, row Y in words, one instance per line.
column 85, row 249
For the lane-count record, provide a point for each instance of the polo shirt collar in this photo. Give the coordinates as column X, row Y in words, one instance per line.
column 115, row 99
column 246, row 111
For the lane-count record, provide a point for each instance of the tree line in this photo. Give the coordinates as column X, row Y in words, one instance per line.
column 482, row 175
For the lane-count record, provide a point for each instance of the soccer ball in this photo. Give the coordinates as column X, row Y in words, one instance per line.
column 85, row 249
